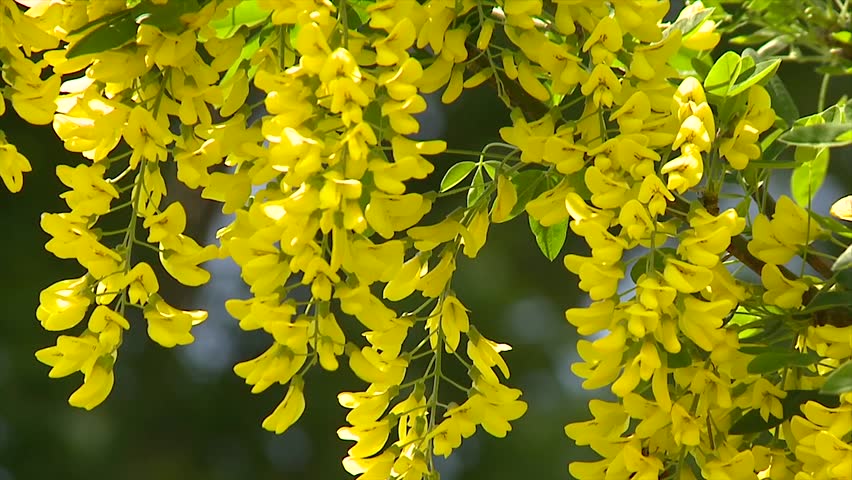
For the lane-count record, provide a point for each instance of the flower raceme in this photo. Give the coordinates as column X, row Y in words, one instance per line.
column 320, row 188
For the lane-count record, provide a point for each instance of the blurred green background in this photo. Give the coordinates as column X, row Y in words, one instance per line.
column 183, row 414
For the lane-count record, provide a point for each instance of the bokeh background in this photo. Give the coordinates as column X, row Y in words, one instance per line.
column 182, row 413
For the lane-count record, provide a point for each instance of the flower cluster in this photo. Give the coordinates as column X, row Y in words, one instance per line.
column 611, row 134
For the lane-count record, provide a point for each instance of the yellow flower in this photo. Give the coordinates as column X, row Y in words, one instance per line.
column 765, row 244
column 371, row 468
column 147, row 136
column 792, row 225
column 109, row 325
column 602, row 85
column 685, row 171
column 781, row 291
column 141, row 282
column 180, row 256
column 370, row 438
column 12, row 165
column 485, row 355
column 169, row 326
column 63, row 304
column 170, row 223
column 693, row 131
column 366, row 407
column 433, row 282
column 369, row 366
column 701, row 321
column 454, row 321
column 473, row 237
column 592, row 319
column 609, row 189
column 604, row 41
column 739, row 465
column 388, row 214
column 70, row 354
column 599, row 279
column 686, row 430
column 96, row 386
column 705, row 38
column 530, row 83
column 289, row 410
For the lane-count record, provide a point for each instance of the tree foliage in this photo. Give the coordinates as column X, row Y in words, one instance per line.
column 718, row 316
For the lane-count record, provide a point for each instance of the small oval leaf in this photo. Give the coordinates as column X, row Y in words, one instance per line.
column 456, row 174
column 822, row 135
column 549, row 239
column 840, row 380
column 722, row 74
column 110, row 35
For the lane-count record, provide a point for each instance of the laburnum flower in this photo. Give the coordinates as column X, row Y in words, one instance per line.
column 90, row 193
column 289, row 410
column 368, row 364
column 780, row 290
column 454, row 321
column 180, row 256
column 70, row 354
column 168, row 325
column 12, row 165
column 507, row 198
column 602, row 85
column 146, row 136
column 599, row 279
column 738, row 465
column 64, row 304
column 705, row 36
column 604, row 41
column 685, row 171
column 97, row 385
column 776, row 241
column 792, row 224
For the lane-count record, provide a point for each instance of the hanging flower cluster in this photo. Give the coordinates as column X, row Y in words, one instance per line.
column 623, row 128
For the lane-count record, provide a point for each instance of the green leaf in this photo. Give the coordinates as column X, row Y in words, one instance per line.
column 840, row 380
column 111, row 34
column 577, row 180
column 770, row 148
column 701, row 65
column 477, row 188
column 641, row 265
column 843, row 261
column 829, row 300
column 491, row 167
column 549, row 239
column 761, row 71
column 808, row 177
column 688, row 24
column 833, row 225
column 245, row 14
column 456, row 174
column 98, row 21
column 777, row 360
column 843, row 37
column 782, row 102
column 722, row 74
column 844, row 279
column 165, row 17
column 820, row 136
column 680, row 359
column 752, row 422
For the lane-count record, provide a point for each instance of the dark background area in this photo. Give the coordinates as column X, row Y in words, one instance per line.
column 182, row 413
